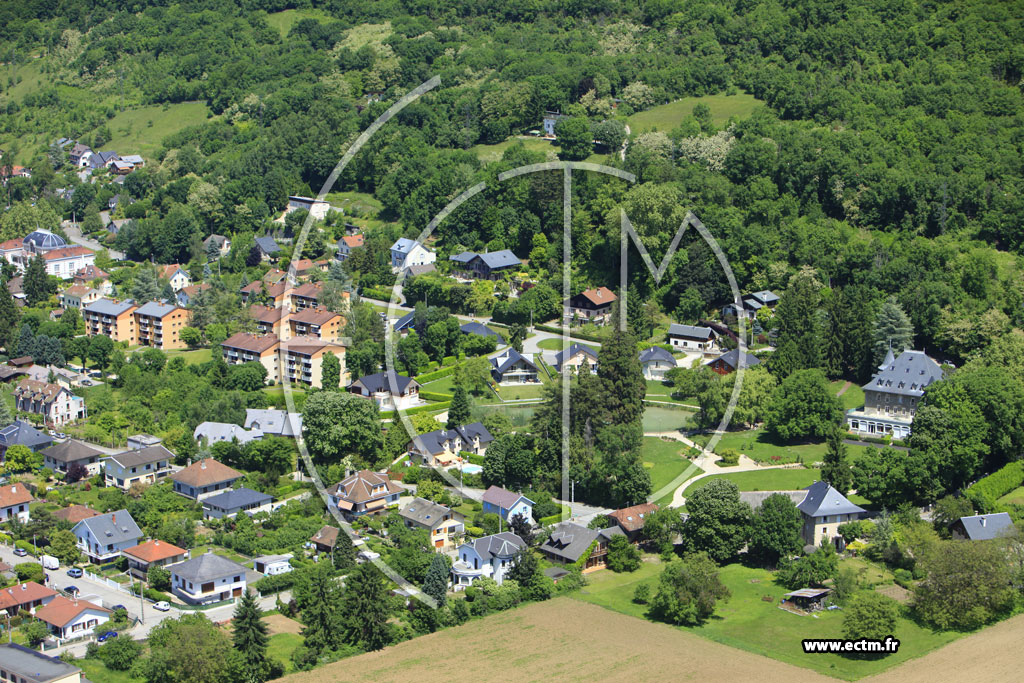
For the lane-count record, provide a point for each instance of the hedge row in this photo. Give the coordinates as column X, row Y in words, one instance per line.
column 476, row 459
column 376, row 293
column 435, row 396
column 578, row 335
column 986, row 491
column 443, row 405
column 275, row 583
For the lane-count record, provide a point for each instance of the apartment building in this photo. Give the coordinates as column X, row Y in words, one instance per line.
column 302, row 360
column 316, row 322
column 159, row 325
column 244, row 347
column 112, row 318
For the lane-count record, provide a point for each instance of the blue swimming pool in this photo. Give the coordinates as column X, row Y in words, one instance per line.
column 472, row 469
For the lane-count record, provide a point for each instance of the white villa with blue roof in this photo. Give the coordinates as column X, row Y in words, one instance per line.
column 406, row 253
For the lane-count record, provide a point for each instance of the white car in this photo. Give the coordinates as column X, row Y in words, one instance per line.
column 52, row 432
column 162, row 606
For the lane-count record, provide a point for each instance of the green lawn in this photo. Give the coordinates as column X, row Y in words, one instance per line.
column 750, row 620
column 664, row 461
column 283, row 21
column 489, row 153
column 366, row 204
column 195, row 357
column 763, row 480
column 281, row 646
column 665, row 419
column 275, row 397
column 223, row 552
column 665, row 117
column 550, row 344
column 1014, row 497
column 756, row 445
column 852, row 397
column 140, row 130
column 95, row 670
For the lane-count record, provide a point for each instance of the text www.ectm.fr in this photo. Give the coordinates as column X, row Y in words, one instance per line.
column 889, row 644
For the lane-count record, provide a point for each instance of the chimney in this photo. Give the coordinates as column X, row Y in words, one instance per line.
column 202, row 464
column 156, row 542
column 113, row 518
column 24, row 586
column 983, row 521
column 14, row 488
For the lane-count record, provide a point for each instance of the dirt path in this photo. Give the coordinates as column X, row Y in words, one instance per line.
column 846, row 385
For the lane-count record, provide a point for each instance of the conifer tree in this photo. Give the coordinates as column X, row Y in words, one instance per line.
column 835, row 469
column 250, row 637
column 459, row 410
column 435, row 584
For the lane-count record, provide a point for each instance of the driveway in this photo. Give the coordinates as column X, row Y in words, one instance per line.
column 74, row 234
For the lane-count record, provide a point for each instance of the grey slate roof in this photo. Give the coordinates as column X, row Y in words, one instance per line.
column 422, row 269
column 569, row 541
column 109, row 306
column 23, row 433
column 71, row 451
column 206, row 567
column 482, row 330
column 508, row 358
column 404, row 321
column 986, row 527
column 503, row 498
column 267, row 245
column 142, row 456
column 755, row 498
column 272, row 421
column 424, row 512
column 463, row 257
column 234, row 499
column 500, row 259
column 574, row 348
column 38, row 667
column 906, row 375
column 434, row 441
column 155, row 309
column 822, row 499
column 222, row 431
column 403, row 245
column 690, row 331
column 656, row 353
column 764, row 297
column 113, row 527
column 731, row 358
column 505, row 544
column 380, row 382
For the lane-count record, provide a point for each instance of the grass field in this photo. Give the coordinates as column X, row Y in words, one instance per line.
column 1014, row 497
column 665, row 419
column 365, row 204
column 852, row 397
column 140, row 130
column 281, row 646
column 283, row 21
column 756, row 445
column 748, row 622
column 763, row 480
column 665, row 117
column 96, row 670
column 664, row 461
column 489, row 153
column 195, row 357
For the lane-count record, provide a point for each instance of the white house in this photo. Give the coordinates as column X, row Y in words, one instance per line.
column 103, row 537
column 273, row 422
column 72, row 618
column 14, row 500
column 406, row 253
column 272, row 565
column 316, row 207
column 175, row 275
column 204, row 478
column 691, row 338
column 67, row 261
column 404, row 394
column 213, row 432
column 145, row 465
column 507, row 504
column 346, row 244
column 656, row 361
column 579, row 357
column 207, row 578
column 892, row 395
column 491, row 556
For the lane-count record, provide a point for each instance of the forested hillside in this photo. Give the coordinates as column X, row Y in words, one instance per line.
column 887, row 155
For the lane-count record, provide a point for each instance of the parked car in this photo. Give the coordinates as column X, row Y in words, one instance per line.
column 51, row 432
column 117, row 607
column 107, row 636
column 20, row 552
column 75, row 572
column 86, row 382
column 162, row 606
column 73, row 590
column 62, row 435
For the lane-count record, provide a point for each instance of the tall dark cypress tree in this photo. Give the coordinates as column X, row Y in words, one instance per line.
column 364, row 612
column 834, row 468
column 36, row 283
column 459, row 410
column 435, row 584
column 799, row 325
column 618, row 367
column 322, row 615
column 250, row 637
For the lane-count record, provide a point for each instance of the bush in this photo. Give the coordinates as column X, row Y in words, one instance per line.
column 904, row 578
column 120, row 653
column 730, row 457
column 642, row 594
column 870, row 615
column 29, row 571
column 275, row 583
column 26, row 546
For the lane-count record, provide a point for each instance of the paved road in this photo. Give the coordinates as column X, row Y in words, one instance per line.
column 74, row 234
column 91, row 590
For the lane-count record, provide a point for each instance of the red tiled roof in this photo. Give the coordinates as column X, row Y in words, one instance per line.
column 599, row 296
column 353, row 241
column 357, row 488
column 205, row 472
column 168, row 271
column 255, row 343
column 265, row 314
column 632, row 518
column 23, row 593
column 16, row 243
column 40, row 390
column 75, row 513
column 154, row 551
column 91, row 273
column 314, row 316
column 327, row 536
column 60, row 610
column 66, row 252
